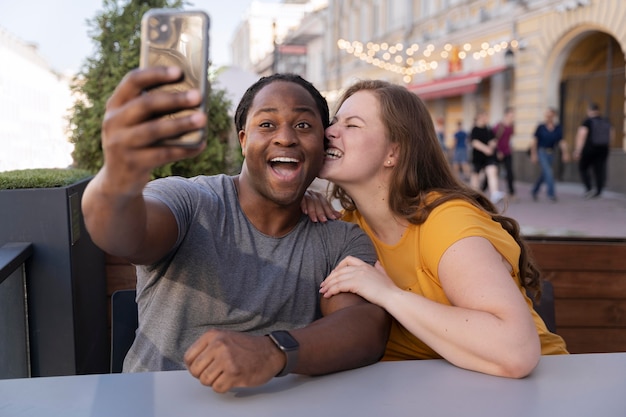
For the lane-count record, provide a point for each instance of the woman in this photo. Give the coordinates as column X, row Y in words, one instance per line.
column 484, row 160
column 452, row 271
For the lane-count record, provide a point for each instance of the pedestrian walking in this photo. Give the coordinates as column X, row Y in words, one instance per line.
column 439, row 127
column 460, row 159
column 484, row 161
column 548, row 136
column 504, row 132
column 593, row 139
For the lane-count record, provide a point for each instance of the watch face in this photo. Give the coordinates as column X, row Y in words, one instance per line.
column 285, row 340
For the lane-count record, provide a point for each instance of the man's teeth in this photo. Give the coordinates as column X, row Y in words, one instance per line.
column 284, row 159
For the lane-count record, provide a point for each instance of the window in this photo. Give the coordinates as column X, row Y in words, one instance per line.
column 396, row 12
column 366, row 23
column 375, row 19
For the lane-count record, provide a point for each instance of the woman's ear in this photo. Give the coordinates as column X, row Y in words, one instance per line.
column 392, row 157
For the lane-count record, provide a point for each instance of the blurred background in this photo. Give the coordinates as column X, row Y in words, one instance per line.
column 457, row 55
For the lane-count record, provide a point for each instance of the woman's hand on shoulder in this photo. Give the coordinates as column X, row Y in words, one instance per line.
column 318, row 208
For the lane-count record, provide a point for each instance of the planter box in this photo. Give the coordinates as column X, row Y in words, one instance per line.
column 66, row 284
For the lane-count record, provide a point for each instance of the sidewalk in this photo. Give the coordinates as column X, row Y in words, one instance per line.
column 571, row 215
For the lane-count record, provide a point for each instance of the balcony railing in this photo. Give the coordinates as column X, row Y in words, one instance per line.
column 14, row 343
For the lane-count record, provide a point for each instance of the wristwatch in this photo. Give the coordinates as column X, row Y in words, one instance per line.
column 290, row 346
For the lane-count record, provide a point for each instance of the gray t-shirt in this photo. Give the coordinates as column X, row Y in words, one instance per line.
column 223, row 273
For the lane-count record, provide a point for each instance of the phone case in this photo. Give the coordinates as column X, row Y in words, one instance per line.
column 178, row 38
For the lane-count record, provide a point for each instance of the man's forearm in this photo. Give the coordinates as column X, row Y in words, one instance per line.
column 115, row 223
column 349, row 338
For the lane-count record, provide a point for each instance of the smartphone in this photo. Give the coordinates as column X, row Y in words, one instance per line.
column 180, row 38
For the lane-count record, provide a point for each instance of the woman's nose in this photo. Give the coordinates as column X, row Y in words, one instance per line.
column 330, row 133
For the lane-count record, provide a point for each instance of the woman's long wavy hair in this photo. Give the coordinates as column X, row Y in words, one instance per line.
column 422, row 168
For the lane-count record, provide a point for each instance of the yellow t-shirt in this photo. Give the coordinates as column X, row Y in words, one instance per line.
column 413, row 262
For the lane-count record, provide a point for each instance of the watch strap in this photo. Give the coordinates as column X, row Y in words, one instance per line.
column 291, row 351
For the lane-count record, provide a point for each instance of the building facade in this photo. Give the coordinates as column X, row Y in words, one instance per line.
column 34, row 104
column 274, row 37
column 463, row 55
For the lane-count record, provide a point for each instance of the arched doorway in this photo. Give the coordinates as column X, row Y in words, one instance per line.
column 593, row 72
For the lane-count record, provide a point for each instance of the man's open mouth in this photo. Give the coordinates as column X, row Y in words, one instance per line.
column 284, row 165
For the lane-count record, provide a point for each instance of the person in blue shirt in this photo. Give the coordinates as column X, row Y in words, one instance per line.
column 460, row 159
column 547, row 138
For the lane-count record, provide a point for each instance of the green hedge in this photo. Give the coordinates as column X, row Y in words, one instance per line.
column 41, row 178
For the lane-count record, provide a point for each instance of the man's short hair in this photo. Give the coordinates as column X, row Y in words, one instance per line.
column 241, row 114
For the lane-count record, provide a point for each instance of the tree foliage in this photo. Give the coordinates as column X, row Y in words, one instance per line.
column 116, row 35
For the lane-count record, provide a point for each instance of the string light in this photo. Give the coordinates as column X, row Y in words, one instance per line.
column 414, row 59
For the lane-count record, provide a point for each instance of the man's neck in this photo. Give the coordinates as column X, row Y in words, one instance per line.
column 267, row 216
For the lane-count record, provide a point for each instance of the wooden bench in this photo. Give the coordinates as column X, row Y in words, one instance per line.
column 588, row 276
column 120, row 276
column 589, row 280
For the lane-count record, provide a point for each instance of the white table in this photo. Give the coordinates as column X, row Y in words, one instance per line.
column 574, row 385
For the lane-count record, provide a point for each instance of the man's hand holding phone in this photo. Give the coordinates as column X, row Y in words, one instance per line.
column 171, row 37
column 147, row 111
column 131, row 132
column 157, row 114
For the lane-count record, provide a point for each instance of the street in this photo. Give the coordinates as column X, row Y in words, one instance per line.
column 571, row 215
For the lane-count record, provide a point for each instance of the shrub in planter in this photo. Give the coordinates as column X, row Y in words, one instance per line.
column 65, row 277
column 41, row 178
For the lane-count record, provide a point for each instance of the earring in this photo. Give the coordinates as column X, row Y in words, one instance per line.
column 389, row 162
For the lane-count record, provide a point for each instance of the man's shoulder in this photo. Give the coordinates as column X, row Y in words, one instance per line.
column 220, row 182
column 587, row 120
column 180, row 192
column 199, row 179
column 342, row 238
column 340, row 232
column 335, row 226
column 601, row 119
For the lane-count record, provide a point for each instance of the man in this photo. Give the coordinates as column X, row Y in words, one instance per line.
column 228, row 268
column 547, row 137
column 593, row 139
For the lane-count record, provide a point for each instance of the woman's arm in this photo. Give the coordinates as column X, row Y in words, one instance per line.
column 487, row 149
column 579, row 143
column 488, row 328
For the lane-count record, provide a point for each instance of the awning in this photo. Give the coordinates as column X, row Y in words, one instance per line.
column 453, row 86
